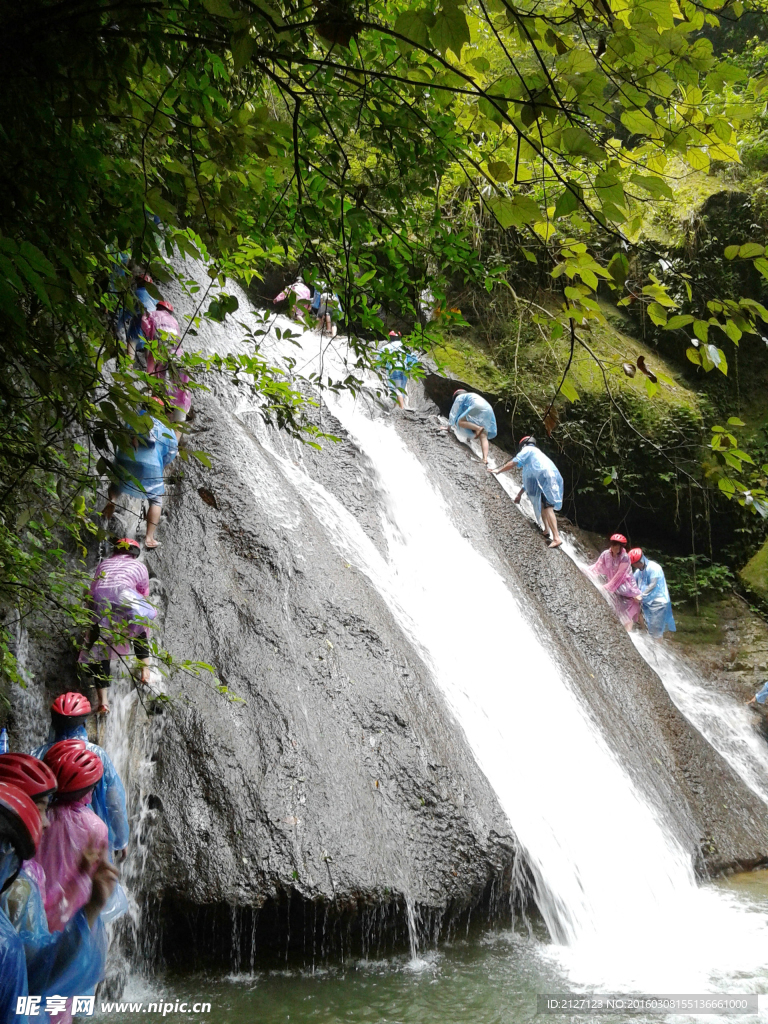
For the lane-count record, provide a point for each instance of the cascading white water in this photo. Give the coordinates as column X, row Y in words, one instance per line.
column 611, row 881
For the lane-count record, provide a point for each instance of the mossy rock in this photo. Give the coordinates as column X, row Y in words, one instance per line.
column 755, row 573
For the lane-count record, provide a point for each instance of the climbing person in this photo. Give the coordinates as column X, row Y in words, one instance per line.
column 758, row 701
column 64, row 963
column 76, row 839
column 615, row 566
column 20, row 831
column 68, row 715
column 325, row 305
column 472, row 417
column 119, row 599
column 161, row 325
column 542, row 483
column 130, row 320
column 141, row 473
column 656, row 602
column 398, row 362
column 301, row 292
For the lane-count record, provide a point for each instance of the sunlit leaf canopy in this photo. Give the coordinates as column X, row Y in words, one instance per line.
column 367, row 145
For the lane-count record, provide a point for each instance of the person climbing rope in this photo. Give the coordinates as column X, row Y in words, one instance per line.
column 624, row 593
column 398, row 362
column 20, row 831
column 325, row 306
column 472, row 417
column 542, row 483
column 65, row 963
column 118, row 596
column 758, row 701
column 141, row 473
column 76, row 840
column 656, row 602
column 161, row 325
column 68, row 715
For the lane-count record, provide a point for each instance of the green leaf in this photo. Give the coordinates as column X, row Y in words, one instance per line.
column 414, row 25
column 500, row 170
column 514, row 211
column 693, row 355
column 450, row 30
column 657, row 187
column 680, row 320
column 567, row 203
column 734, row 421
column 202, row 457
column 220, row 8
column 242, row 48
column 657, row 314
column 751, row 249
column 568, row 391
column 701, row 329
column 731, row 252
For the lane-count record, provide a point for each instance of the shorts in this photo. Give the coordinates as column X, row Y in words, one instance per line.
column 99, row 672
column 398, row 380
column 545, row 503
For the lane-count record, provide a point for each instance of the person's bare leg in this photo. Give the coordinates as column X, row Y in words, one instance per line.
column 144, row 676
column 102, row 705
column 109, row 509
column 550, row 521
column 484, row 445
column 401, row 399
column 153, row 518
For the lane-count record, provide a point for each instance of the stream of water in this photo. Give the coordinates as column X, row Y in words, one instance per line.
column 616, row 891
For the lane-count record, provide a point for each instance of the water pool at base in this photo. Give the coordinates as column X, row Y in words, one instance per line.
column 490, row 979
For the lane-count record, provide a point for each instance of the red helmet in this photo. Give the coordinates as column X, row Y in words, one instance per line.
column 57, row 751
column 71, row 705
column 32, row 777
column 527, row 440
column 618, row 538
column 128, row 546
column 636, row 555
column 164, row 304
column 459, row 391
column 21, row 818
column 78, row 770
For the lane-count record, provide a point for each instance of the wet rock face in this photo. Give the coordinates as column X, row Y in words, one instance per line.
column 339, row 772
column 710, row 810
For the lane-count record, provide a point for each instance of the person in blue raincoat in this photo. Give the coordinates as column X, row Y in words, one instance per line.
column 141, row 473
column 68, row 715
column 62, row 963
column 542, row 483
column 472, row 417
column 398, row 362
column 656, row 602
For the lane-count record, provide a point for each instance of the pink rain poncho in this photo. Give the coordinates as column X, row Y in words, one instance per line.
column 620, row 584
column 162, row 325
column 73, row 829
column 118, row 592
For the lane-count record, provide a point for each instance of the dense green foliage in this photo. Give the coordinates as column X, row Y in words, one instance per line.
column 369, row 143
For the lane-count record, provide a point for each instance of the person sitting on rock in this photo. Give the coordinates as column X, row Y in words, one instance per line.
column 119, row 597
column 76, row 840
column 68, row 715
column 656, row 602
column 65, row 963
column 619, row 585
column 161, row 325
column 472, row 418
column 141, row 473
column 542, row 483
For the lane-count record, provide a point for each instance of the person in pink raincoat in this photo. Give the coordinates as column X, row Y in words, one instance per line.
column 76, row 839
column 119, row 597
column 624, row 593
column 161, row 325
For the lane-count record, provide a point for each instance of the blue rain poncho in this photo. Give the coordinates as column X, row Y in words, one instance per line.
column 399, row 362
column 108, row 796
column 540, row 477
column 146, row 463
column 13, row 963
column 657, row 605
column 66, row 963
column 472, row 407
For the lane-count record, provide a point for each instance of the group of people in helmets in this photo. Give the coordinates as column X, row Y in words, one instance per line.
column 633, row 583
column 63, row 827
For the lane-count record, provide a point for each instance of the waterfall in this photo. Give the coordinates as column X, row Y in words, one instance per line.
column 614, row 887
